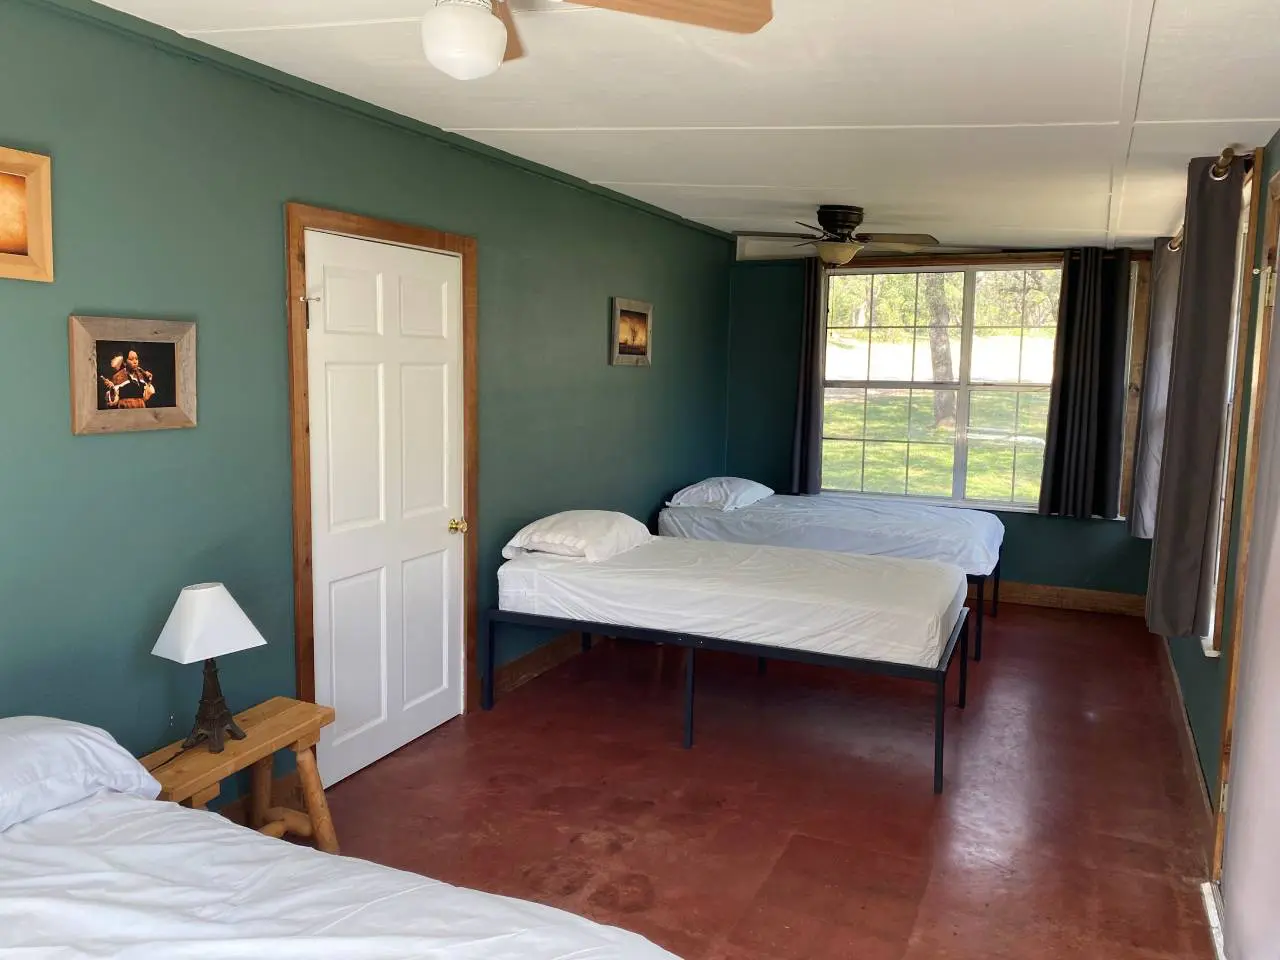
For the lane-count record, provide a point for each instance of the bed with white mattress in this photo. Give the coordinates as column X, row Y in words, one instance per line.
column 969, row 539
column 873, row 614
column 116, row 875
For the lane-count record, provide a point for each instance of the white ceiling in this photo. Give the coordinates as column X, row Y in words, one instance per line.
column 1009, row 122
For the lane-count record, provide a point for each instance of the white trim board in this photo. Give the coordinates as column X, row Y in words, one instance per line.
column 1213, row 912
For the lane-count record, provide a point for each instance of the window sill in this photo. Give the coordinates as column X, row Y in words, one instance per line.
column 1206, row 646
column 937, row 501
column 997, row 505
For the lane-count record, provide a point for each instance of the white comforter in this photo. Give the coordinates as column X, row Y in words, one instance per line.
column 871, row 608
column 117, row 876
column 970, row 539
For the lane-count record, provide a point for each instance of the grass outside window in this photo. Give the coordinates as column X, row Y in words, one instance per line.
column 937, row 382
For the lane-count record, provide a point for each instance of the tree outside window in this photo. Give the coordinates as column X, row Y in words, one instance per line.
column 937, row 381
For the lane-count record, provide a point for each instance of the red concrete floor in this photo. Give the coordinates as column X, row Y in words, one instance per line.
column 802, row 824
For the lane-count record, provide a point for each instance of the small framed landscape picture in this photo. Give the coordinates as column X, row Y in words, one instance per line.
column 131, row 375
column 632, row 344
column 26, row 216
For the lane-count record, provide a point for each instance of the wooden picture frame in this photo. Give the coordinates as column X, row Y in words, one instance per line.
column 129, row 375
column 26, row 216
column 631, row 341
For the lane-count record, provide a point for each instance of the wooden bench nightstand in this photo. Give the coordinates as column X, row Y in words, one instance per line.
column 194, row 776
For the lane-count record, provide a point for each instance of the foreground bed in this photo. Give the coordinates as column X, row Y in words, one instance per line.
column 121, row 876
column 970, row 539
column 902, row 618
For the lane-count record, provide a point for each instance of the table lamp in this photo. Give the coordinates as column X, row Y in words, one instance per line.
column 205, row 623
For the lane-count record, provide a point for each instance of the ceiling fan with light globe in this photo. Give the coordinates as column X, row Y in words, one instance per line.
column 469, row 39
column 837, row 241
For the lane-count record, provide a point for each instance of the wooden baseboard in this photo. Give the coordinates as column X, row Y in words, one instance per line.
column 537, row 662
column 1069, row 598
column 286, row 791
column 1187, row 742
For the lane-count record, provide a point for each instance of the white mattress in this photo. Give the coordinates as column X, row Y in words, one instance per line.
column 970, row 539
column 873, row 608
column 117, row 876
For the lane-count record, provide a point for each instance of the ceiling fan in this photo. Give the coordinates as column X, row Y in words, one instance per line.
column 469, row 39
column 837, row 240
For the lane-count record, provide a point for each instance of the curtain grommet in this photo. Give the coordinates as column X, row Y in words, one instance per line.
column 1222, row 169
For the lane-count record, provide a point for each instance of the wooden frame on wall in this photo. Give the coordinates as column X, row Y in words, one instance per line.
column 1257, row 393
column 175, row 403
column 631, row 337
column 26, row 216
column 298, row 219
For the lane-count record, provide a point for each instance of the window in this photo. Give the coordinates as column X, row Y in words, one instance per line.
column 1229, row 435
column 937, row 381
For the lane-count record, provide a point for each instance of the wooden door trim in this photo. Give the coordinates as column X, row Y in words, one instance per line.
column 1257, row 396
column 1233, row 430
column 299, row 218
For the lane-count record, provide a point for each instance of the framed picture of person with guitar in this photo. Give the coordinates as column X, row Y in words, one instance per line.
column 131, row 375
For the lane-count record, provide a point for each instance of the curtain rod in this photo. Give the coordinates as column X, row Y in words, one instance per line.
column 1219, row 171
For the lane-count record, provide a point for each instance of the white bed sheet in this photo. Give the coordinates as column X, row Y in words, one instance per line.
column 874, row 608
column 970, row 539
column 118, row 876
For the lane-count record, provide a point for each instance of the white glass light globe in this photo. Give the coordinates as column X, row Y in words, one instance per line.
column 837, row 253
column 463, row 38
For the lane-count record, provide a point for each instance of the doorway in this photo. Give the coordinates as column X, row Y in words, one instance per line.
column 382, row 400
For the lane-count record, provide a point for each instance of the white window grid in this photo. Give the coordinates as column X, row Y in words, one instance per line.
column 964, row 385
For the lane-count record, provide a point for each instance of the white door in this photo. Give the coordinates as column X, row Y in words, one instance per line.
column 384, row 347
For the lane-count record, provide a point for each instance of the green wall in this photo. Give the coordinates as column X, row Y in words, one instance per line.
column 170, row 174
column 764, row 359
column 1204, row 679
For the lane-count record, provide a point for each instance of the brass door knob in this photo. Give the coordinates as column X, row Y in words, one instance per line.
column 458, row 526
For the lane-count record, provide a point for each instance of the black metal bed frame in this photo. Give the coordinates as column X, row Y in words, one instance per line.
column 981, row 582
column 763, row 653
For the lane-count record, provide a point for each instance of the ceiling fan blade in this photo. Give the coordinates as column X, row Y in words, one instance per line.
column 767, row 235
column 735, row 16
column 515, row 49
column 913, row 239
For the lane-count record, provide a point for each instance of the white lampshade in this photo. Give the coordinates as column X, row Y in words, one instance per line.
column 205, row 622
column 463, row 38
column 836, row 253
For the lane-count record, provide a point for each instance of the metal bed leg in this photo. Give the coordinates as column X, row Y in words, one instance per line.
column 964, row 662
column 762, row 665
column 939, row 722
column 995, row 590
column 688, row 699
column 982, row 602
column 487, row 660
column 586, row 642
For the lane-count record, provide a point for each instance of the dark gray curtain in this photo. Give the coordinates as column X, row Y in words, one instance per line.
column 1166, row 268
column 1085, row 442
column 806, row 453
column 1179, row 596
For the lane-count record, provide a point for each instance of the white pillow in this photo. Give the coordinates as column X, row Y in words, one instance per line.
column 46, row 764
column 721, row 493
column 591, row 534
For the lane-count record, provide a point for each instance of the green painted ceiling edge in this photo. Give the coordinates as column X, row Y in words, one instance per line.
column 172, row 42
